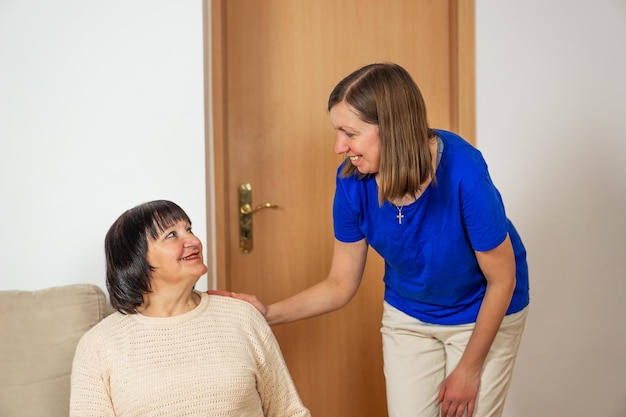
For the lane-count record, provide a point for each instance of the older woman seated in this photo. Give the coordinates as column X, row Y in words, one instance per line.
column 170, row 350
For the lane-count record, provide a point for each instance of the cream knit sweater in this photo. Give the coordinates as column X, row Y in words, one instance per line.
column 220, row 359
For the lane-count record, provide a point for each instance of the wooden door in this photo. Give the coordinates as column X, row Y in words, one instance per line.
column 274, row 62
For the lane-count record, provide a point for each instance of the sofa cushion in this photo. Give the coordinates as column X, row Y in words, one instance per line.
column 39, row 331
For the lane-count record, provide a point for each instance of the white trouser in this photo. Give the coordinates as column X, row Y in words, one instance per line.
column 418, row 356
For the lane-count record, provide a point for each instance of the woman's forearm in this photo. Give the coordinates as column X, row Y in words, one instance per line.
column 494, row 307
column 321, row 298
column 498, row 265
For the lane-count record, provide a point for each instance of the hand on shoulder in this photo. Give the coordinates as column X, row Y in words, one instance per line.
column 252, row 299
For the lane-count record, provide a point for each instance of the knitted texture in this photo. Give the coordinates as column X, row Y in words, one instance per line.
column 220, row 359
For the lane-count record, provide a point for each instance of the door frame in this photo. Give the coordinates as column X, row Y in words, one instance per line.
column 463, row 115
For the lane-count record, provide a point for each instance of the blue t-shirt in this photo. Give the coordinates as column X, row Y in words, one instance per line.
column 431, row 271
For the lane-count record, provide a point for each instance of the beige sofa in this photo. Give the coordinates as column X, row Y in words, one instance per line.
column 39, row 331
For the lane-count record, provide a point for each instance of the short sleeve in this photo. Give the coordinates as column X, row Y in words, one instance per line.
column 483, row 214
column 346, row 214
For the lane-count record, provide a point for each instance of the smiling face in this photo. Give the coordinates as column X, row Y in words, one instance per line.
column 175, row 255
column 359, row 140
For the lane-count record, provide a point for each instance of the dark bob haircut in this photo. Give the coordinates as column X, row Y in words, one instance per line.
column 126, row 247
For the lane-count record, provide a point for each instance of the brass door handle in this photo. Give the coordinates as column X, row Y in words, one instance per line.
column 246, row 211
column 247, row 208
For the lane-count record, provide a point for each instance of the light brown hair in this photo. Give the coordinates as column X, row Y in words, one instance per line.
column 385, row 94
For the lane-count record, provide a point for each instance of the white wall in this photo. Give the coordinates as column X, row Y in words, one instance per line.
column 101, row 108
column 551, row 121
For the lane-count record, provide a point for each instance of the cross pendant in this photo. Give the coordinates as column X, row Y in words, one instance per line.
column 400, row 216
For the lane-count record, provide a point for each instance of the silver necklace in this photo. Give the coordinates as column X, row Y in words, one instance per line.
column 400, row 216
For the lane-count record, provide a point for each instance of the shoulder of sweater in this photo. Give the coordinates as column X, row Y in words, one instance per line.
column 105, row 327
column 238, row 308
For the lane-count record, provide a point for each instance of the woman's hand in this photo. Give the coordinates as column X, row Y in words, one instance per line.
column 458, row 392
column 252, row 299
